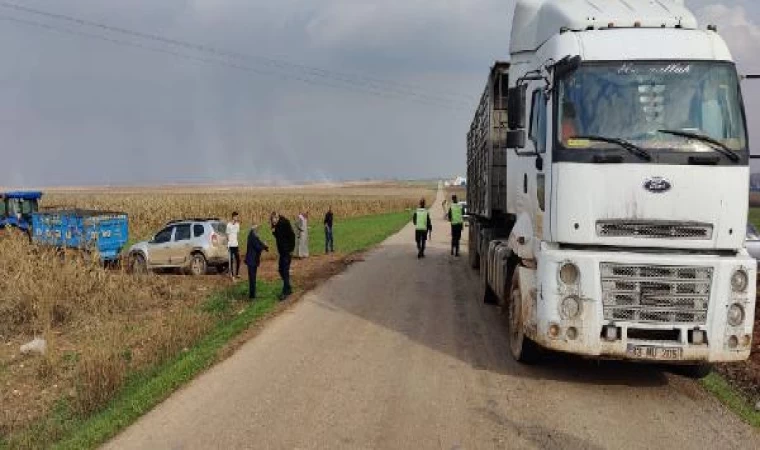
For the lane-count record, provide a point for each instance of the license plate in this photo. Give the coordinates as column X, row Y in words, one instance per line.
column 653, row 352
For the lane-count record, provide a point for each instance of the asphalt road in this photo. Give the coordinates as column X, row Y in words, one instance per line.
column 397, row 353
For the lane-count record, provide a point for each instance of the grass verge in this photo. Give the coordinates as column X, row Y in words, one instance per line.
column 733, row 399
column 63, row 428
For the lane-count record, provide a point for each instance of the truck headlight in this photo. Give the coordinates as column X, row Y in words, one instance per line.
column 570, row 307
column 739, row 280
column 569, row 273
column 735, row 315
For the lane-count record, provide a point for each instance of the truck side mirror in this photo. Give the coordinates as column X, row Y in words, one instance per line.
column 516, row 139
column 516, row 107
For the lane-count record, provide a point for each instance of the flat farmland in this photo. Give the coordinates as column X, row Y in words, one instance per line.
column 105, row 327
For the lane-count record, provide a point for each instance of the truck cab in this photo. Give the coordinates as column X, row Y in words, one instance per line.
column 625, row 179
column 17, row 207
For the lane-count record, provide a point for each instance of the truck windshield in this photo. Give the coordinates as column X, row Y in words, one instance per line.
column 657, row 106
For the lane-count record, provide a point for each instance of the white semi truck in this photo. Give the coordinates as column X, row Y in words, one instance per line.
column 608, row 183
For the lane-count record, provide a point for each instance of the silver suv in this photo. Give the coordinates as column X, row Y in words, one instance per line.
column 192, row 245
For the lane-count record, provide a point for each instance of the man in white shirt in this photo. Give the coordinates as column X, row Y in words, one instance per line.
column 232, row 230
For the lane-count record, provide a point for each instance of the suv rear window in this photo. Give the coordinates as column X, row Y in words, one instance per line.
column 198, row 230
column 219, row 227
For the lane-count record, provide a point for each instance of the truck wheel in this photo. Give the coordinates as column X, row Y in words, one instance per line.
column 522, row 348
column 694, row 371
column 138, row 265
column 198, row 265
column 486, row 293
column 472, row 250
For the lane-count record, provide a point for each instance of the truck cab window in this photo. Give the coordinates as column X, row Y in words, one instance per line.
column 538, row 121
column 636, row 101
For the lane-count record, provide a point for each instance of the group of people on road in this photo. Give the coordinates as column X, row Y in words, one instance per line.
column 287, row 241
column 423, row 226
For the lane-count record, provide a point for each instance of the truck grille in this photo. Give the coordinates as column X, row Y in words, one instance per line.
column 655, row 294
column 654, row 229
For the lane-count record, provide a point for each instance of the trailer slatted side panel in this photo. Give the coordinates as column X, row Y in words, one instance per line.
column 486, row 148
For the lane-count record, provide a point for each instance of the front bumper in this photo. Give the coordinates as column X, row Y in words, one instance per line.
column 585, row 333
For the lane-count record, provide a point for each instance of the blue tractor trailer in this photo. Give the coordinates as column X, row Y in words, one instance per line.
column 102, row 232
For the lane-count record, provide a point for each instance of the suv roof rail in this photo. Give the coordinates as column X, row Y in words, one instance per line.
column 193, row 219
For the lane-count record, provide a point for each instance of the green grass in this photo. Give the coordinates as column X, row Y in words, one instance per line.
column 350, row 235
column 754, row 217
column 147, row 388
column 733, row 399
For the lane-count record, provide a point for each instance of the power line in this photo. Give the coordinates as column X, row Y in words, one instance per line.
column 211, row 61
column 362, row 81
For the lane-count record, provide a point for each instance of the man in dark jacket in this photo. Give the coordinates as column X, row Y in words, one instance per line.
column 329, row 247
column 253, row 259
column 286, row 243
column 422, row 227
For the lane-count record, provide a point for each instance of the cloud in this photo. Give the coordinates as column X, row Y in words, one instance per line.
column 737, row 29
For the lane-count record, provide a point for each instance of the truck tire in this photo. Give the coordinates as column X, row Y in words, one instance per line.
column 198, row 265
column 472, row 248
column 520, row 346
column 694, row 371
column 137, row 264
column 486, row 293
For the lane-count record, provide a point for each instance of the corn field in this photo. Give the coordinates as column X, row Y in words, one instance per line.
column 99, row 324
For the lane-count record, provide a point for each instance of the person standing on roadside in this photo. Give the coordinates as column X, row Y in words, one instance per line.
column 456, row 217
column 253, row 251
column 286, row 243
column 422, row 227
column 232, row 230
column 329, row 248
column 302, row 238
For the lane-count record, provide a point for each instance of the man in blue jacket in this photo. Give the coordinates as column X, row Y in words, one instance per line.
column 253, row 258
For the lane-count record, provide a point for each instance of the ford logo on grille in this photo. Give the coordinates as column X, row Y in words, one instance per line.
column 657, row 185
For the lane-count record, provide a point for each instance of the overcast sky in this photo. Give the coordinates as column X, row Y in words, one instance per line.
column 80, row 111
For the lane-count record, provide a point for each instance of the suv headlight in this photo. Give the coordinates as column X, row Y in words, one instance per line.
column 739, row 281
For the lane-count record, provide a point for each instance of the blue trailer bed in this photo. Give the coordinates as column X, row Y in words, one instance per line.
column 103, row 231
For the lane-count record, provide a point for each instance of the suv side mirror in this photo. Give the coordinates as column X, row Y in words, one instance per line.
column 516, row 139
column 516, row 107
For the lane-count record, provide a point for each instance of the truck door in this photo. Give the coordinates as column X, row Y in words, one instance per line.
column 537, row 136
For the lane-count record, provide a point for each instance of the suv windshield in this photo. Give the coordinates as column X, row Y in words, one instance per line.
column 639, row 102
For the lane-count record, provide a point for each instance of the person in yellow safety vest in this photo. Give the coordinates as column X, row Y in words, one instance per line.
column 422, row 226
column 456, row 217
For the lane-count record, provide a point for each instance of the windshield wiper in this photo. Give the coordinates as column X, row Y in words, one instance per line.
column 717, row 145
column 630, row 146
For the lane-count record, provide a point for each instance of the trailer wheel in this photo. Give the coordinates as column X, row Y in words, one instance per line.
column 198, row 265
column 472, row 249
column 522, row 348
column 486, row 293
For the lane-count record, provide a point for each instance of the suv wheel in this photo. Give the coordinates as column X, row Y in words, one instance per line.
column 138, row 265
column 197, row 264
